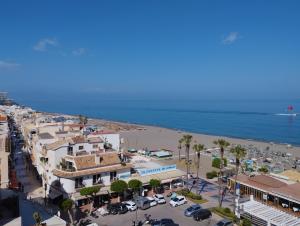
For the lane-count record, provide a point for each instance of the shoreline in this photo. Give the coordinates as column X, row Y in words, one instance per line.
column 154, row 137
column 176, row 129
column 198, row 133
column 146, row 136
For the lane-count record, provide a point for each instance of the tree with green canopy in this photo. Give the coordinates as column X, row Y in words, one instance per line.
column 198, row 148
column 119, row 186
column 135, row 184
column 154, row 183
column 90, row 193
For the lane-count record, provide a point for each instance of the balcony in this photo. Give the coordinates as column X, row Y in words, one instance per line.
column 66, row 166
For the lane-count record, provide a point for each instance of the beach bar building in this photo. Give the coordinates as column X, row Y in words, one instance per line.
column 278, row 193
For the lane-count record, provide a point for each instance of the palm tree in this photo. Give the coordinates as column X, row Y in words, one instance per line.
column 187, row 139
column 179, row 147
column 222, row 144
column 37, row 218
column 83, row 120
column 198, row 148
column 239, row 153
column 66, row 205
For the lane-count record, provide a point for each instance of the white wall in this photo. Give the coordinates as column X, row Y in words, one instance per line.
column 105, row 178
column 68, row 185
column 113, row 139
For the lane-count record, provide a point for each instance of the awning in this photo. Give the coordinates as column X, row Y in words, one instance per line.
column 165, row 177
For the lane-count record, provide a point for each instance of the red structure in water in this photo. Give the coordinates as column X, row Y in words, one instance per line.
column 290, row 108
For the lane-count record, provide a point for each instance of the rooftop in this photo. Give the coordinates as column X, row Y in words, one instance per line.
column 89, row 161
column 272, row 185
column 270, row 214
column 45, row 136
column 292, row 175
column 100, row 169
column 263, row 182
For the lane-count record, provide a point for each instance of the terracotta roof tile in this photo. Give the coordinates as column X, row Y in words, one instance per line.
column 84, row 162
column 107, row 159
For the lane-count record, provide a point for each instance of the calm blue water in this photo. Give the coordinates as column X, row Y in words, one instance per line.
column 243, row 119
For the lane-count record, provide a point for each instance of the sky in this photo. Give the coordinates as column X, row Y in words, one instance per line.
column 150, row 49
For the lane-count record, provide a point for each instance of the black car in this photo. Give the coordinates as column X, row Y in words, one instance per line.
column 202, row 214
column 117, row 208
column 164, row 222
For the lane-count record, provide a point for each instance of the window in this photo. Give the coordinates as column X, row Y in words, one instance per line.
column 95, row 145
column 70, row 150
column 113, row 175
column 69, row 165
column 97, row 179
column 80, row 147
column 78, row 182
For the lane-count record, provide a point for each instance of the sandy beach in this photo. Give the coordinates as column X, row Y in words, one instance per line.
column 152, row 137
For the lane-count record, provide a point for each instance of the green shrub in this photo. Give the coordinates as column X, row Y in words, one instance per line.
column 211, row 175
column 186, row 192
column 263, row 169
column 224, row 212
column 194, row 196
column 246, row 222
column 216, row 162
column 227, row 210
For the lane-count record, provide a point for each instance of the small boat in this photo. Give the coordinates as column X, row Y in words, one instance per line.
column 289, row 112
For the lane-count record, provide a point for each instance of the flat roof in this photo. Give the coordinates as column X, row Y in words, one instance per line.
column 164, row 177
column 293, row 175
column 273, row 216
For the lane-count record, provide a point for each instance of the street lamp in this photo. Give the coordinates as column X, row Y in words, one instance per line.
column 45, row 188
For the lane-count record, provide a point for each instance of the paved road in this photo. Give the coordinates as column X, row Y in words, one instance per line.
column 157, row 212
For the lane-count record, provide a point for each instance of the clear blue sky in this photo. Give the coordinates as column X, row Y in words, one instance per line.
column 158, row 49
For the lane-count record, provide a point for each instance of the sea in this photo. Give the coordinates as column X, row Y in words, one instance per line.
column 248, row 119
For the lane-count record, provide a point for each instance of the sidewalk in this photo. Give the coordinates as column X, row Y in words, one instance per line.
column 32, row 198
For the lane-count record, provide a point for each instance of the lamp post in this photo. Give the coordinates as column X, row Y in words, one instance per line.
column 45, row 188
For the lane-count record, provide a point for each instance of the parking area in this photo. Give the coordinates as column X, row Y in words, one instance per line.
column 156, row 212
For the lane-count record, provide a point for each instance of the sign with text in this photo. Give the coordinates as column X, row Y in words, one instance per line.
column 145, row 172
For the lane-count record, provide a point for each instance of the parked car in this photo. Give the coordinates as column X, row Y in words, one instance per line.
column 191, row 210
column 224, row 222
column 131, row 206
column 159, row 199
column 177, row 183
column 202, row 214
column 117, row 208
column 142, row 202
column 179, row 200
column 152, row 201
column 164, row 222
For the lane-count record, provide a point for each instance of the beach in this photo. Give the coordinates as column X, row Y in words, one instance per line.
column 152, row 137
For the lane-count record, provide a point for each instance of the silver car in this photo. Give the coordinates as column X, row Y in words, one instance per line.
column 191, row 210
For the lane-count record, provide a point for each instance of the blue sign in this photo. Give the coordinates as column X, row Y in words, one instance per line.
column 145, row 172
